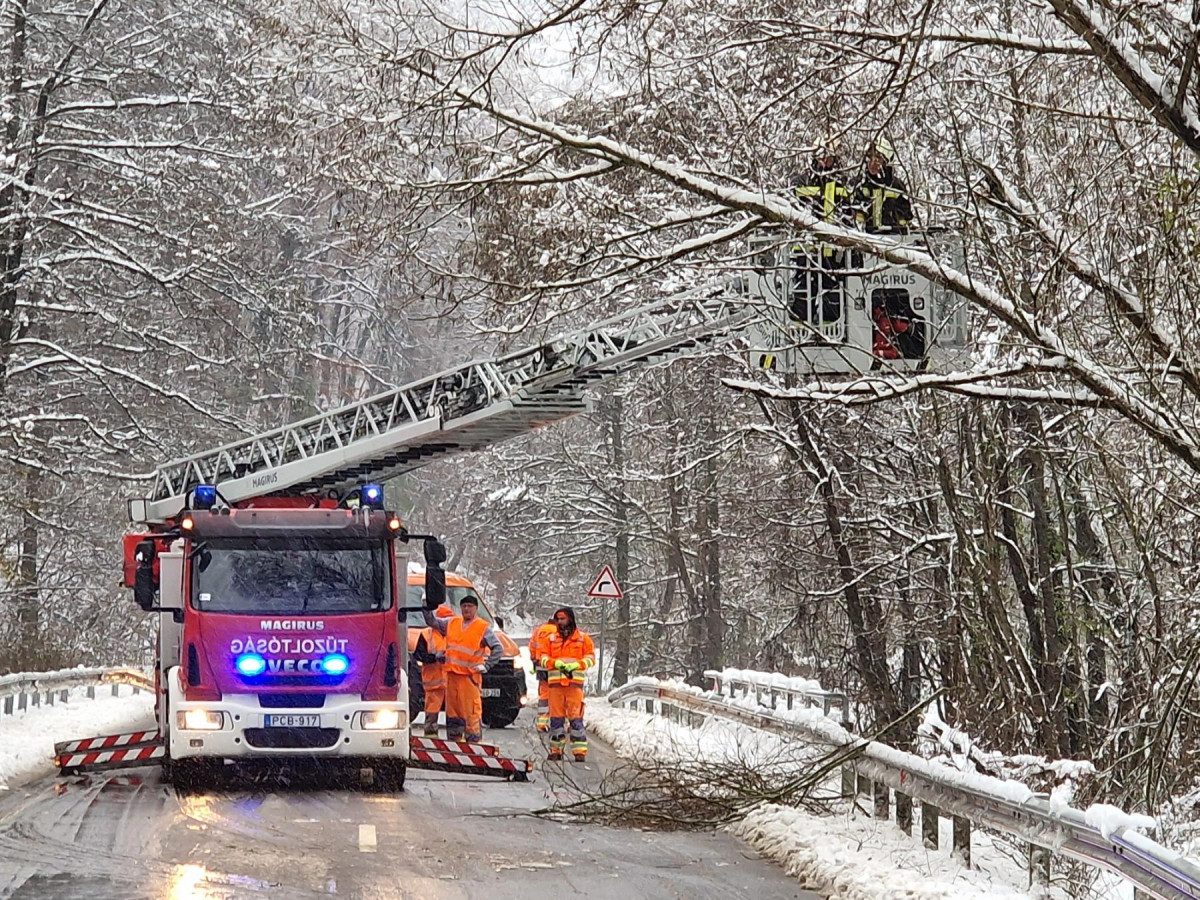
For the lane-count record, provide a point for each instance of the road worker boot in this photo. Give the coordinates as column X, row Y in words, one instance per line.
column 555, row 754
column 580, row 757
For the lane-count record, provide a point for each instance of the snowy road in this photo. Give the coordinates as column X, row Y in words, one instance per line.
column 128, row 835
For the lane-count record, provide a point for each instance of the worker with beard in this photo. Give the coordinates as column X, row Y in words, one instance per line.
column 569, row 654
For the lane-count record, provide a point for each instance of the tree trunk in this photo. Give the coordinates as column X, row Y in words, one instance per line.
column 616, row 432
column 708, row 526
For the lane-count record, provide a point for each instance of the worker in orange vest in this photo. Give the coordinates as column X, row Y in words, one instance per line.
column 471, row 649
column 538, row 645
column 569, row 654
column 430, row 652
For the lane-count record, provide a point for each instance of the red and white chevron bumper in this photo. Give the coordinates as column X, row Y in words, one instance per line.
column 140, row 748
column 105, row 743
column 120, row 758
column 467, row 758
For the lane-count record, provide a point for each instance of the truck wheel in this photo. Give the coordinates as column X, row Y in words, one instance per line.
column 388, row 776
column 188, row 775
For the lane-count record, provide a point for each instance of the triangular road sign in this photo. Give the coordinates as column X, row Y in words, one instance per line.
column 605, row 586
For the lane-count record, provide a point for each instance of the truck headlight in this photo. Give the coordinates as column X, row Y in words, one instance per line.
column 201, row 720
column 381, row 720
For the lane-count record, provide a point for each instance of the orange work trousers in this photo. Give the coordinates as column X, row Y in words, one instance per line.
column 464, row 707
column 433, row 679
column 566, row 708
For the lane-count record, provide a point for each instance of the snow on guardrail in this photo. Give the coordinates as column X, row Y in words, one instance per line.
column 39, row 708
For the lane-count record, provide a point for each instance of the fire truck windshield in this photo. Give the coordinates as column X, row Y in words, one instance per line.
column 289, row 577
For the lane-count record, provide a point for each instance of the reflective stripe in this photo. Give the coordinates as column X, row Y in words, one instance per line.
column 464, row 645
column 830, row 192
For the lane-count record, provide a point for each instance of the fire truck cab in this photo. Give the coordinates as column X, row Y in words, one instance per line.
column 282, row 633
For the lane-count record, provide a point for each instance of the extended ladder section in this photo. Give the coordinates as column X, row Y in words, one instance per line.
column 460, row 410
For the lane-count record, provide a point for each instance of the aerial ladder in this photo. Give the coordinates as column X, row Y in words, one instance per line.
column 329, row 467
column 317, row 483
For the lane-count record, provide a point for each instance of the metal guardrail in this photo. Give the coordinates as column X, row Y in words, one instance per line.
column 774, row 688
column 31, row 689
column 1101, row 836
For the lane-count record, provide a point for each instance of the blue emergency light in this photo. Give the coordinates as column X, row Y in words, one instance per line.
column 204, row 496
column 335, row 664
column 250, row 664
column 372, row 495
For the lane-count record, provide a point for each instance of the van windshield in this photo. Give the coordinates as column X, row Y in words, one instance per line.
column 416, row 597
column 289, row 576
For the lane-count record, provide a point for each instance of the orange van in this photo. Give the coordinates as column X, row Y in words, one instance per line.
column 503, row 689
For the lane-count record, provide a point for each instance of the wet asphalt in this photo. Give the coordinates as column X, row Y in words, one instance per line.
column 310, row 834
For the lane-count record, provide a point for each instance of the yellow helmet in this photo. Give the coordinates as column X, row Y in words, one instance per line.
column 884, row 148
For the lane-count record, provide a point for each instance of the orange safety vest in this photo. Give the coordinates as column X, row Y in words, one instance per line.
column 539, row 642
column 434, row 674
column 464, row 645
column 578, row 648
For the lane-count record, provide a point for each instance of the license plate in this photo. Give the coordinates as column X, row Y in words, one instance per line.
column 291, row 721
column 489, row 692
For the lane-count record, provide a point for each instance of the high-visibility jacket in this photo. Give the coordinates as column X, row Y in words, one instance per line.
column 883, row 202
column 464, row 645
column 825, row 194
column 576, row 648
column 433, row 670
column 539, row 641
column 467, row 646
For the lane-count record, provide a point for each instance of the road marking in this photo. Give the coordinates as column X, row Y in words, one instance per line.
column 367, row 841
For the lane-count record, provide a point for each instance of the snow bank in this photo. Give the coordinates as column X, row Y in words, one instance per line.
column 27, row 738
column 855, row 858
column 640, row 735
column 846, row 853
column 824, row 730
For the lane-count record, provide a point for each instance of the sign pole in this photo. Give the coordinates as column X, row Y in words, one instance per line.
column 603, row 627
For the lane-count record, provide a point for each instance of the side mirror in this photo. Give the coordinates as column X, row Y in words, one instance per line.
column 435, row 575
column 144, row 585
column 500, row 623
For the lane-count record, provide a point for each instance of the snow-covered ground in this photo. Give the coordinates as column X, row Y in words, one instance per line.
column 27, row 738
column 847, row 853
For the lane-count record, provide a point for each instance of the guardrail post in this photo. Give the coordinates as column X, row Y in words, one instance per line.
column 50, row 698
column 962, row 839
column 116, row 690
column 774, row 697
column 1039, row 867
column 64, row 695
column 847, row 780
column 8, row 705
column 904, row 812
column 22, row 701
column 36, row 696
column 882, row 800
column 791, row 699
column 929, row 826
column 136, row 690
column 91, row 692
column 825, row 705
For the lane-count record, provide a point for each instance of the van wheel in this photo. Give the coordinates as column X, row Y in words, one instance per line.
column 499, row 719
